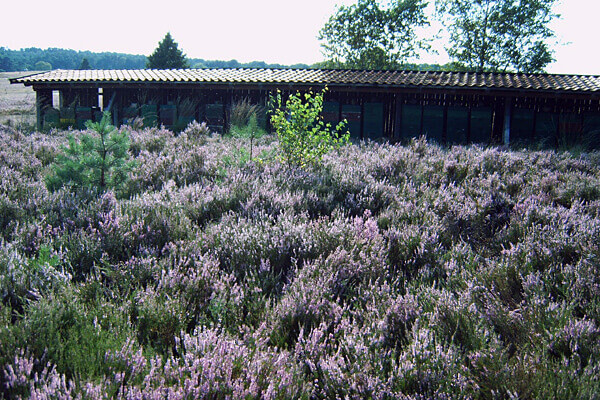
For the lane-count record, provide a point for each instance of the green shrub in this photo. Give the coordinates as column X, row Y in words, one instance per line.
column 250, row 130
column 158, row 318
column 96, row 162
column 304, row 138
column 24, row 279
column 83, row 251
column 74, row 335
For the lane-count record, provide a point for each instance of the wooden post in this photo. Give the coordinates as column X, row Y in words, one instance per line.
column 398, row 122
column 43, row 101
column 115, row 108
column 445, row 124
column 362, row 117
column 507, row 117
column 532, row 134
column 422, row 104
column 339, row 99
column 227, row 103
column 470, row 107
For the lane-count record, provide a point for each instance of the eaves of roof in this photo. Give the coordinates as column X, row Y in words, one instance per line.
column 418, row 80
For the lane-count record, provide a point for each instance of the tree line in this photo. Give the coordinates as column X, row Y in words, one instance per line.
column 36, row 59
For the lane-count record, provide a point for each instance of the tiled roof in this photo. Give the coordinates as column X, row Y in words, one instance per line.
column 420, row 79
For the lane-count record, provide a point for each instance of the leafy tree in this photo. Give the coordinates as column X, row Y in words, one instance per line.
column 499, row 35
column 42, row 66
column 97, row 161
column 367, row 35
column 85, row 64
column 303, row 135
column 167, row 55
column 6, row 63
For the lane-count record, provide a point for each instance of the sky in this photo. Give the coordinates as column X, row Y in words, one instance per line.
column 274, row 31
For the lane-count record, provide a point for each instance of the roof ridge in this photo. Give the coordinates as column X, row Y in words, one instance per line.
column 440, row 72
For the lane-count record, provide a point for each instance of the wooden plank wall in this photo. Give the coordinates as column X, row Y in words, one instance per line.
column 531, row 118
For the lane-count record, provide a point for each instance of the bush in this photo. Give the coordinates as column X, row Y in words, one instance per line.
column 24, row 279
column 72, row 335
column 303, row 136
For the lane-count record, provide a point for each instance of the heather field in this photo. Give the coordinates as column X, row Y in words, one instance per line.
column 387, row 271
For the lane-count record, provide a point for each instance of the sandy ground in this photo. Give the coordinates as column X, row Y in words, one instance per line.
column 17, row 102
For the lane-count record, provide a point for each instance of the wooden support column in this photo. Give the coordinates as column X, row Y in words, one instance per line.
column 507, row 118
column 362, row 118
column 422, row 103
column 43, row 102
column 445, row 124
column 469, row 123
column 227, row 103
column 115, row 107
column 533, row 126
column 391, row 118
column 398, row 118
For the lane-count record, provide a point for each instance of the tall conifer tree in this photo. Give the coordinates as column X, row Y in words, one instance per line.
column 85, row 64
column 167, row 55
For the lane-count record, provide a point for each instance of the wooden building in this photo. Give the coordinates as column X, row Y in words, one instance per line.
column 448, row 107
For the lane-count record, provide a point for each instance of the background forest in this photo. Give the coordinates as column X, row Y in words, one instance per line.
column 34, row 59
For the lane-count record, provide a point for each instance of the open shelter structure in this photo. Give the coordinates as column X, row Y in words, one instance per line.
column 448, row 107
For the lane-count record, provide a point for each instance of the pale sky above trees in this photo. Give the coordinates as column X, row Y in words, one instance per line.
column 275, row 31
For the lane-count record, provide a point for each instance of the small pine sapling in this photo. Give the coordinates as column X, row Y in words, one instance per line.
column 96, row 161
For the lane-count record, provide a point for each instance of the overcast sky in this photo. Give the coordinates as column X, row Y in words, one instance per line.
column 275, row 31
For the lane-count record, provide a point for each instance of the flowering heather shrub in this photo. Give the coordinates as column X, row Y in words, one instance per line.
column 147, row 223
column 152, row 140
column 210, row 365
column 409, row 272
column 270, row 243
column 22, row 381
column 206, row 292
column 195, row 129
column 184, row 159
